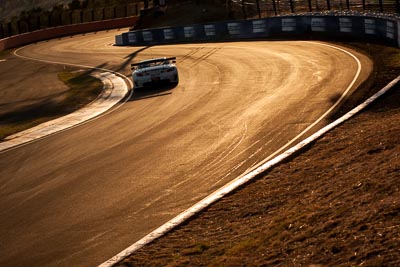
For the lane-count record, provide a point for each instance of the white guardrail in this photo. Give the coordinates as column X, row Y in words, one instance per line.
column 338, row 25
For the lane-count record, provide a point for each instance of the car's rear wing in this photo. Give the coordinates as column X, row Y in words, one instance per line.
column 155, row 60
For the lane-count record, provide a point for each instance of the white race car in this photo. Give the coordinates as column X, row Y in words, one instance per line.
column 155, row 70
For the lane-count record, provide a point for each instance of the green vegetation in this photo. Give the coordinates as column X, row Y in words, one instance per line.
column 83, row 90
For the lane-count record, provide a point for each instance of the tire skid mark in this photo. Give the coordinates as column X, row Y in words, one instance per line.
column 206, row 55
column 191, row 53
column 197, row 60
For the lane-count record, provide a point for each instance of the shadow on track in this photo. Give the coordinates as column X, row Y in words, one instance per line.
column 161, row 89
column 130, row 57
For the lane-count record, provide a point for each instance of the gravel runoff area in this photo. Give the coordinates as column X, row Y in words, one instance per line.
column 335, row 204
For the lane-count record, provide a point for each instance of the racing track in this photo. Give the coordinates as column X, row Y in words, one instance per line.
column 81, row 196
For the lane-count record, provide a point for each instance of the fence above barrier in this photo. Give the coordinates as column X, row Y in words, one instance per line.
column 365, row 28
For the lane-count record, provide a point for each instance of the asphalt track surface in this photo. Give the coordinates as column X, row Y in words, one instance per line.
column 81, row 196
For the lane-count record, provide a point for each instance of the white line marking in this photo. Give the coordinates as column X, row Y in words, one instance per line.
column 329, row 110
column 241, row 180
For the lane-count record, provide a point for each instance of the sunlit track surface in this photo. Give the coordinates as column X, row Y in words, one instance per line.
column 79, row 197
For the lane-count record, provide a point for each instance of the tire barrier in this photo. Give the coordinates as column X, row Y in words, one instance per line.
column 31, row 37
column 362, row 27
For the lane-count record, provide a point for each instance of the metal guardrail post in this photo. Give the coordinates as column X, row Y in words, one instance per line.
column 29, row 23
column 291, row 6
column 274, row 6
column 398, row 6
column 243, row 9
column 9, row 29
column 18, row 27
column 258, row 9
column 3, row 34
column 309, row 6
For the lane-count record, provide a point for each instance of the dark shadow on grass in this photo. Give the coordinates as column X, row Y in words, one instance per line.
column 50, row 106
column 45, row 108
column 10, row 105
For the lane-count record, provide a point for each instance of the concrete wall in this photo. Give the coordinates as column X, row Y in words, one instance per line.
column 31, row 37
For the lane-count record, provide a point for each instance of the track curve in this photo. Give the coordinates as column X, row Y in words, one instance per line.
column 81, row 196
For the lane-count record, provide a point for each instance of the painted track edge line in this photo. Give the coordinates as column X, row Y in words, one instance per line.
column 217, row 195
column 327, row 112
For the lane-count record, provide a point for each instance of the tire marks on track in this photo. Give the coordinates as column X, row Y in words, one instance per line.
column 197, row 60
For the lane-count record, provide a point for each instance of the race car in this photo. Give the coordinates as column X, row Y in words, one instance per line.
column 154, row 70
